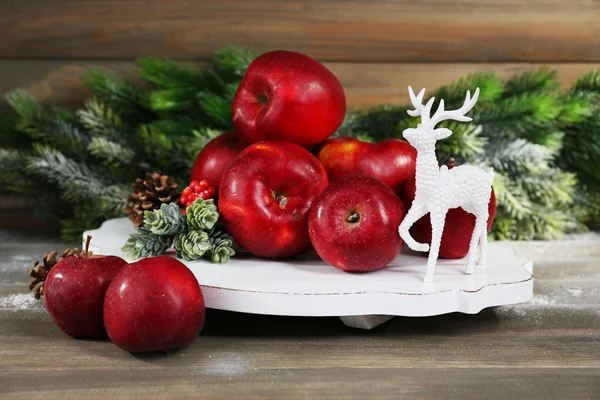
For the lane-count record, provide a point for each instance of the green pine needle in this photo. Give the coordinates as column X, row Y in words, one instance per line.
column 111, row 153
column 540, row 80
column 589, row 82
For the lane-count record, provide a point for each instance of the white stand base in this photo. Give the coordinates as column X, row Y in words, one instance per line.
column 306, row 286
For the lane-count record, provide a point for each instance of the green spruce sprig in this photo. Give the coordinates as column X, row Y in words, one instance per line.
column 194, row 234
column 202, row 215
column 166, row 221
column 144, row 243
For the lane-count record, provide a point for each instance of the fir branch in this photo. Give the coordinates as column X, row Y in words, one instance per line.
column 576, row 107
column 490, row 89
column 518, row 157
column 10, row 136
column 511, row 198
column 180, row 125
column 540, row 80
column 11, row 168
column 78, row 183
column 589, row 82
column 464, row 144
column 173, row 99
column 217, row 108
column 119, row 94
column 169, row 74
column 55, row 128
column 233, row 61
column 525, row 115
column 102, row 121
column 581, row 151
column 111, row 153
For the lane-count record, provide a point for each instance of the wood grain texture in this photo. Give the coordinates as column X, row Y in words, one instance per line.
column 365, row 84
column 16, row 213
column 349, row 30
column 548, row 348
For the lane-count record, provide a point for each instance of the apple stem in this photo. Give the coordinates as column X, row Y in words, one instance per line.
column 353, row 217
column 263, row 99
column 282, row 200
column 87, row 244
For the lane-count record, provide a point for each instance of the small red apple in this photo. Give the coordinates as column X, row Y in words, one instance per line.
column 391, row 161
column 458, row 227
column 74, row 293
column 353, row 225
column 154, row 304
column 215, row 156
column 265, row 197
column 288, row 96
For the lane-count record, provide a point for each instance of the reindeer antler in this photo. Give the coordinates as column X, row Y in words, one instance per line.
column 417, row 101
column 424, row 111
column 457, row 115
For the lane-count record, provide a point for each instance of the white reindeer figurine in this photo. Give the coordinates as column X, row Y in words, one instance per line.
column 439, row 188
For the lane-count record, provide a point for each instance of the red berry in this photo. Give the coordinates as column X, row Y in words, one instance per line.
column 211, row 191
column 183, row 211
column 194, row 186
column 186, row 191
column 204, row 184
column 183, row 199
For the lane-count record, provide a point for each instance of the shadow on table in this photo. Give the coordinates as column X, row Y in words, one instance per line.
column 231, row 324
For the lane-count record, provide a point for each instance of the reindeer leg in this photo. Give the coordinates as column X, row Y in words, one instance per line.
column 417, row 210
column 437, row 224
column 480, row 224
column 483, row 248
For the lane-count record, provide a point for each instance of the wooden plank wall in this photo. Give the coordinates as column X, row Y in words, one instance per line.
column 376, row 47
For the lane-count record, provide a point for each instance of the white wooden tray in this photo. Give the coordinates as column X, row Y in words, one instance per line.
column 307, row 286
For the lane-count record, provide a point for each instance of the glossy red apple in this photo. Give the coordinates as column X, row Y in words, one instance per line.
column 288, row 96
column 265, row 197
column 353, row 225
column 215, row 156
column 74, row 293
column 154, row 304
column 391, row 161
column 458, row 227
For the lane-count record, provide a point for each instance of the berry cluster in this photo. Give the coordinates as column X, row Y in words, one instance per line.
column 196, row 190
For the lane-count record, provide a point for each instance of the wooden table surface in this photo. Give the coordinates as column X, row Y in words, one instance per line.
column 547, row 348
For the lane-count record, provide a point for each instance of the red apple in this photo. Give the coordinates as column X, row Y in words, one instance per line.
column 74, row 293
column 154, row 304
column 458, row 228
column 288, row 96
column 391, row 161
column 265, row 197
column 353, row 225
column 215, row 157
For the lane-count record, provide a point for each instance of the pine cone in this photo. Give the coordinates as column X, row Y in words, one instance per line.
column 148, row 194
column 221, row 246
column 192, row 245
column 168, row 221
column 40, row 271
column 202, row 214
column 144, row 243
